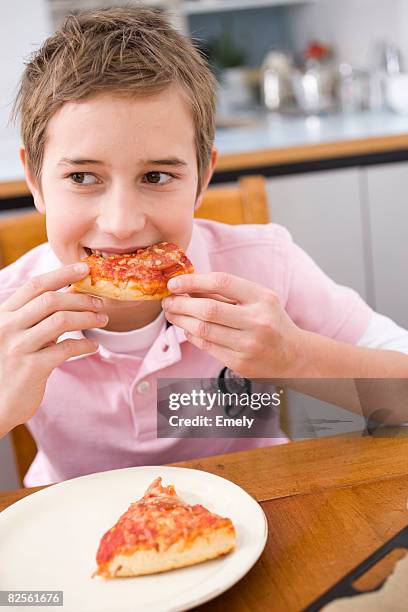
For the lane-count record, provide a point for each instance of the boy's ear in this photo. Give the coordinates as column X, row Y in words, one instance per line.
column 207, row 177
column 32, row 183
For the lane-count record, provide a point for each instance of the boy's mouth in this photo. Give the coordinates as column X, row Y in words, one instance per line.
column 107, row 251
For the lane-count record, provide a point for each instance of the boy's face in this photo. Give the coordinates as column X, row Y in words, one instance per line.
column 119, row 173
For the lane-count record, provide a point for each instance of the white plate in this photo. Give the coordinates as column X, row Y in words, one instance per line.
column 48, row 541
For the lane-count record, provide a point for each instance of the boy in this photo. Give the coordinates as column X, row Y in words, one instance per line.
column 117, row 112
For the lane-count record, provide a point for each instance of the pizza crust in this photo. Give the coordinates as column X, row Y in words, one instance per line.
column 215, row 544
column 128, row 291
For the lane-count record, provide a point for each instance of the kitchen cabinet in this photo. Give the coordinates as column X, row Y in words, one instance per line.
column 387, row 196
column 354, row 224
column 323, row 212
column 187, row 7
column 192, row 7
column 178, row 10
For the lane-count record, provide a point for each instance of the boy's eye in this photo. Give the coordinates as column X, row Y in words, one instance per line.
column 83, row 178
column 157, row 178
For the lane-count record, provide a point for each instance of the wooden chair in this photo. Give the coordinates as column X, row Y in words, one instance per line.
column 19, row 233
column 246, row 202
column 242, row 203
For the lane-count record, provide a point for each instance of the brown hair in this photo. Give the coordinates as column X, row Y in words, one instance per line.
column 126, row 51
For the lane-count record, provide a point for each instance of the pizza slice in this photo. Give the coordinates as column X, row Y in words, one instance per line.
column 161, row 532
column 142, row 275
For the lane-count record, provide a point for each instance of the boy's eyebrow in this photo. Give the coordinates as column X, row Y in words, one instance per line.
column 170, row 161
column 77, row 162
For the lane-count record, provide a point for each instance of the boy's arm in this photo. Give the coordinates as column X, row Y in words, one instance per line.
column 327, row 358
column 318, row 304
column 381, row 398
column 373, row 382
column 254, row 336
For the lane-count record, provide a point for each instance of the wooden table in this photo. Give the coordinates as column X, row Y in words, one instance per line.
column 330, row 503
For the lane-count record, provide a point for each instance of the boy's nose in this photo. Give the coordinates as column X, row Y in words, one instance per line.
column 121, row 218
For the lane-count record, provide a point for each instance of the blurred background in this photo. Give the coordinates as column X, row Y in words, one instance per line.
column 312, row 94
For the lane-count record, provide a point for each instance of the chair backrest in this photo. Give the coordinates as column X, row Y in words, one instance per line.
column 246, row 202
column 242, row 203
column 19, row 233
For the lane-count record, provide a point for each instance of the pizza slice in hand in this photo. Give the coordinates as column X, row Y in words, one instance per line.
column 142, row 275
column 160, row 532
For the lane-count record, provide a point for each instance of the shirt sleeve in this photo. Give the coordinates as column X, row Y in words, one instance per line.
column 383, row 333
column 316, row 303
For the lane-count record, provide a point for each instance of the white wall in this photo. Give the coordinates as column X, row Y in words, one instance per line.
column 24, row 24
column 352, row 26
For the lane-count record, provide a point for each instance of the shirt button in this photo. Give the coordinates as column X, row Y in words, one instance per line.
column 143, row 386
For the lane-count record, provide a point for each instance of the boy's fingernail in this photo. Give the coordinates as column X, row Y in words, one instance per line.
column 81, row 267
column 103, row 318
column 173, row 283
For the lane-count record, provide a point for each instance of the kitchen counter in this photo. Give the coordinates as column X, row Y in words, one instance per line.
column 271, row 145
column 277, row 140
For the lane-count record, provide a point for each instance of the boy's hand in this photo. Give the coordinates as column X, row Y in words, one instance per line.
column 238, row 322
column 31, row 321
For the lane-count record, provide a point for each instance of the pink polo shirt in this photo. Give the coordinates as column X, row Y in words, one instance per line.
column 99, row 411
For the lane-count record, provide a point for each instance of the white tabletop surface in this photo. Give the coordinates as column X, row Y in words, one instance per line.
column 265, row 132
